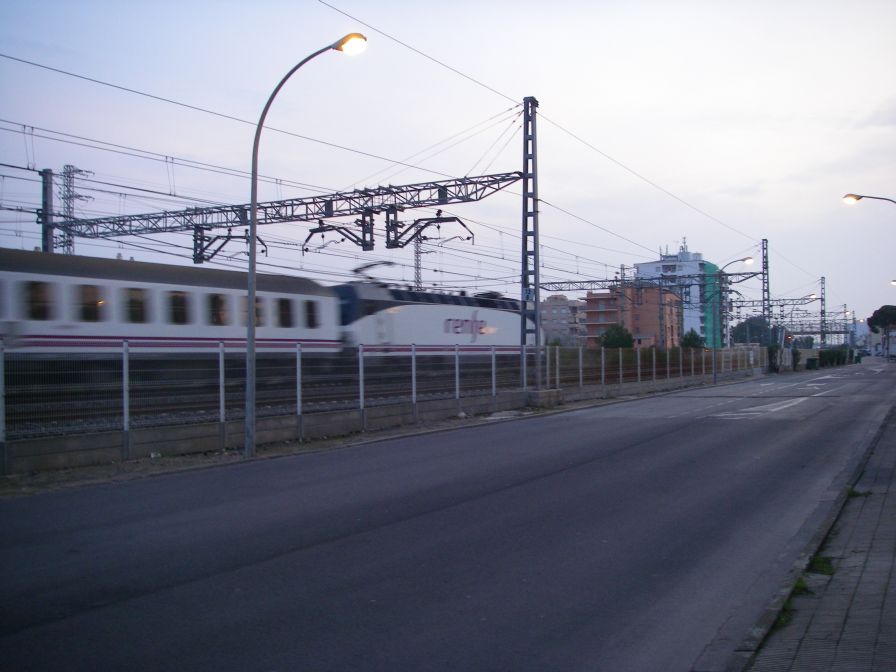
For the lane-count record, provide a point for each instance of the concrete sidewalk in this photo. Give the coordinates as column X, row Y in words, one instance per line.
column 844, row 616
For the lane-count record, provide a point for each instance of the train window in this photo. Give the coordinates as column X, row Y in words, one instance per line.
column 38, row 300
column 178, row 307
column 90, row 305
column 284, row 312
column 217, row 309
column 259, row 310
column 311, row 321
column 136, row 305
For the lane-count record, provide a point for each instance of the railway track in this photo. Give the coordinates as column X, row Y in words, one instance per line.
column 79, row 407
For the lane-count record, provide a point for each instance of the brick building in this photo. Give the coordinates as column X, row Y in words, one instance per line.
column 652, row 315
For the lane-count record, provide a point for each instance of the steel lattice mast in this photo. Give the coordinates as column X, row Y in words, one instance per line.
column 529, row 277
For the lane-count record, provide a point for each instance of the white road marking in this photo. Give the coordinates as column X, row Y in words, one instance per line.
column 756, row 411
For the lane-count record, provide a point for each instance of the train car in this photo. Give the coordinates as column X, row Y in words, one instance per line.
column 52, row 303
column 382, row 316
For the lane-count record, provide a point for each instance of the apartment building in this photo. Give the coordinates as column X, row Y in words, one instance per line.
column 696, row 282
column 649, row 312
column 562, row 321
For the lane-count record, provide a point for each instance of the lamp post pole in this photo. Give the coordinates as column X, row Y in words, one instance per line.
column 351, row 43
column 719, row 311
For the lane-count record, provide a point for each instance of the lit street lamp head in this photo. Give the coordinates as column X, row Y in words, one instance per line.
column 351, row 44
column 855, row 198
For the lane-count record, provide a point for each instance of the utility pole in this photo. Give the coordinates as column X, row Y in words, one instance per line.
column 824, row 319
column 418, row 253
column 766, row 293
column 529, row 278
column 621, row 294
column 45, row 214
column 68, row 196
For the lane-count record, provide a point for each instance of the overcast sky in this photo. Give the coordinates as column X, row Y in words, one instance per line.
column 716, row 123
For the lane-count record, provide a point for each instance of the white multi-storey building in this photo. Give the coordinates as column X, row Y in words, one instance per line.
column 696, row 282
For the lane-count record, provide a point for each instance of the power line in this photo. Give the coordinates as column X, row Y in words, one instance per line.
column 222, row 115
column 547, row 119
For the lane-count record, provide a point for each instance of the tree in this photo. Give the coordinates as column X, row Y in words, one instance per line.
column 692, row 340
column 885, row 316
column 751, row 330
column 617, row 336
column 805, row 342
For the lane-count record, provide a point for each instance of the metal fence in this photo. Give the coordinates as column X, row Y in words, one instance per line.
column 46, row 395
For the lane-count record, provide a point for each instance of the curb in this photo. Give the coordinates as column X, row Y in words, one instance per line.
column 746, row 652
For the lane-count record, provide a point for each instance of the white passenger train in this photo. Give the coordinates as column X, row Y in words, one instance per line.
column 51, row 303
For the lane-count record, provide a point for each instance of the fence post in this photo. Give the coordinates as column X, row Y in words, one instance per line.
column 557, row 362
column 581, row 371
column 638, row 364
column 494, row 380
column 457, row 375
column 603, row 370
column 300, row 418
column 4, row 466
column 714, row 374
column 524, row 373
column 653, row 365
column 692, row 363
column 222, row 412
column 125, row 403
column 414, row 380
column 680, row 362
column 620, row 369
column 361, row 387
column 547, row 365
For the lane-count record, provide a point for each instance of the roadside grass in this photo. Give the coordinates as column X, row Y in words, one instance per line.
column 820, row 564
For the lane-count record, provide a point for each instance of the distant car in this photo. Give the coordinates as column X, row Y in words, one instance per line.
column 864, row 352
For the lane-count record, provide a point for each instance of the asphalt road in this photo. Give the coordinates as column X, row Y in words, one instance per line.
column 644, row 535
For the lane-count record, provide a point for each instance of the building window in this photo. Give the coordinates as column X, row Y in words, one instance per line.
column 90, row 305
column 38, row 300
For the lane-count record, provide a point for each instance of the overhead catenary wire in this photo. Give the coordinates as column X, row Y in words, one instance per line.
column 559, row 126
column 167, row 159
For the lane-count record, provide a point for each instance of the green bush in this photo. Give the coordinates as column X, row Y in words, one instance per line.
column 833, row 357
column 774, row 363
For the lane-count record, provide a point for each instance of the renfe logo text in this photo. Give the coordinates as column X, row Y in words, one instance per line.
column 472, row 326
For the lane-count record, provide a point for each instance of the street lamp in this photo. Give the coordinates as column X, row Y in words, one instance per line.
column 722, row 293
column 719, row 312
column 851, row 199
column 352, row 43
